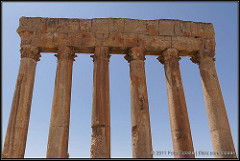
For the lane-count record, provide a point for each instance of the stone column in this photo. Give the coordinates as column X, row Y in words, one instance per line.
column 16, row 136
column 100, row 138
column 215, row 107
column 60, row 116
column 141, row 130
column 180, row 128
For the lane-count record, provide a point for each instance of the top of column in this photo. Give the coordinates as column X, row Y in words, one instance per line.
column 136, row 53
column 101, row 53
column 202, row 55
column 29, row 51
column 66, row 53
column 170, row 54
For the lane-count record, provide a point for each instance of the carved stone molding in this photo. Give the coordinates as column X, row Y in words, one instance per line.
column 30, row 51
column 66, row 52
column 135, row 53
column 27, row 36
column 202, row 54
column 170, row 54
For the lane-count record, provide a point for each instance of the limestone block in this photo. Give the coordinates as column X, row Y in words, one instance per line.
column 166, row 38
column 52, row 25
column 43, row 26
column 102, row 25
column 60, row 37
column 135, row 26
column 118, row 25
column 183, row 28
column 75, row 24
column 47, row 40
column 204, row 30
column 210, row 44
column 86, row 39
column 152, row 27
column 129, row 40
column 166, row 27
column 186, row 44
column 30, row 22
column 85, row 25
column 114, row 40
column 153, row 42
column 100, row 36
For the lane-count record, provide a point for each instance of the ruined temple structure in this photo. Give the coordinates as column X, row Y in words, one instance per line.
column 167, row 40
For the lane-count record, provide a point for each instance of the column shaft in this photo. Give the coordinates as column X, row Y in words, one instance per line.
column 60, row 116
column 141, row 129
column 215, row 107
column 180, row 128
column 16, row 136
column 100, row 138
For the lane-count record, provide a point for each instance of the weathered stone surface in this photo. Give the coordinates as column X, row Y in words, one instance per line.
column 202, row 30
column 85, row 25
column 216, row 111
column 183, row 28
column 135, row 26
column 187, row 44
column 141, row 130
column 16, row 136
column 85, row 34
column 100, row 138
column 180, row 128
column 59, row 125
column 153, row 42
column 102, row 25
column 152, row 27
column 166, row 27
column 118, row 25
column 209, row 44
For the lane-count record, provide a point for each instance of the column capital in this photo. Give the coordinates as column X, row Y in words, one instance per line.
column 101, row 53
column 135, row 53
column 30, row 51
column 27, row 36
column 202, row 54
column 66, row 53
column 168, row 55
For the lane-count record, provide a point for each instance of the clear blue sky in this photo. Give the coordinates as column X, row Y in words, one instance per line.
column 223, row 16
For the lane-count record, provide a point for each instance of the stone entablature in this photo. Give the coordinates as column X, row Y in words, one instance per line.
column 119, row 34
